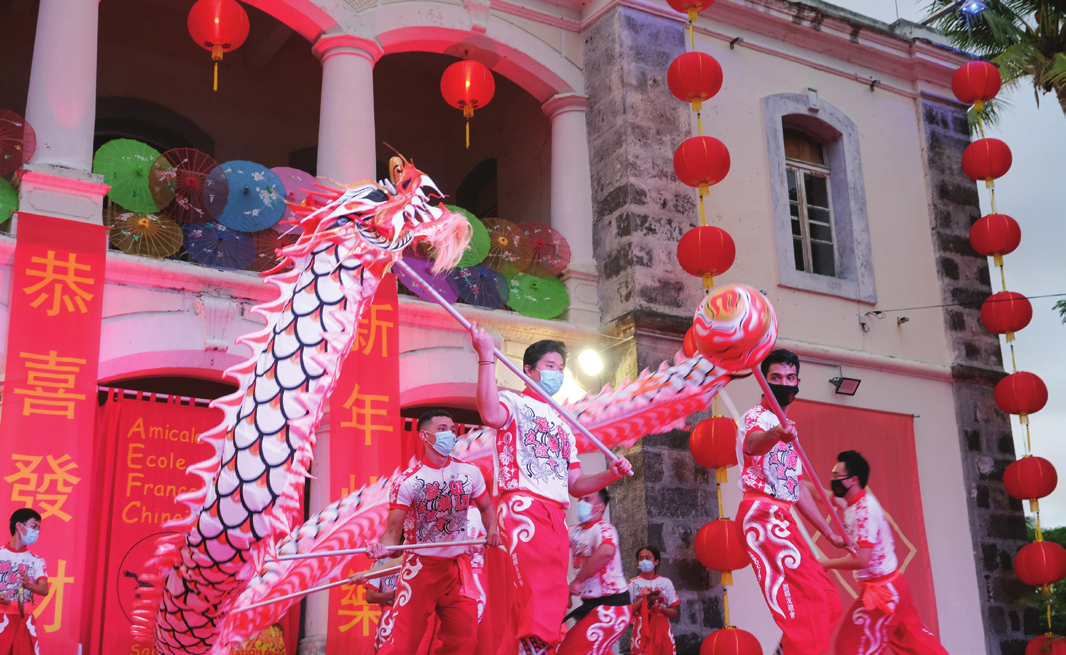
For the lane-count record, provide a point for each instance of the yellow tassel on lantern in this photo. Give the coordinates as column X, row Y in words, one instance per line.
column 998, row 259
column 468, row 113
column 1034, row 504
column 216, row 56
column 708, row 282
column 721, row 474
column 990, row 183
column 1023, row 418
column 697, row 105
column 727, row 578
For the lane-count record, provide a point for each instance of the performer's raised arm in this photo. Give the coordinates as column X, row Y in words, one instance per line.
column 492, row 412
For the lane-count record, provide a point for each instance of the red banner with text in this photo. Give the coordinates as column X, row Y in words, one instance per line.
column 364, row 444
column 48, row 417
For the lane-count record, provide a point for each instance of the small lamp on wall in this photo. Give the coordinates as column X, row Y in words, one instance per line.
column 845, row 386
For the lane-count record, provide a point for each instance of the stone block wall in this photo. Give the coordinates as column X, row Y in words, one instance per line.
column 997, row 521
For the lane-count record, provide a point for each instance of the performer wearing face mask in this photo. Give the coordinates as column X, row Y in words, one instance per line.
column 22, row 576
column 604, row 612
column 429, row 504
column 537, row 470
column 883, row 619
column 797, row 590
column 654, row 604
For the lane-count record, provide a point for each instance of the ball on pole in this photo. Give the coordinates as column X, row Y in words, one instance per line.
column 735, row 327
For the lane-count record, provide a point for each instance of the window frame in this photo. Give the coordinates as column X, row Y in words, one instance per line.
column 804, row 168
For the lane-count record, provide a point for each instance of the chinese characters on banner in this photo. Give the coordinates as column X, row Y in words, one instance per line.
column 364, row 443
column 47, row 423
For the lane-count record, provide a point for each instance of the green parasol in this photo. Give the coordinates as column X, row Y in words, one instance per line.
column 537, row 297
column 9, row 202
column 125, row 165
column 479, row 240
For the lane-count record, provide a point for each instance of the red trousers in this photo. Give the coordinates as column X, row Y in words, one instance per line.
column 889, row 626
column 18, row 636
column 429, row 585
column 384, row 630
column 534, row 533
column 596, row 632
column 802, row 600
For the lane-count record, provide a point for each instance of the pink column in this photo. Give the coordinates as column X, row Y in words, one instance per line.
column 316, row 611
column 346, row 141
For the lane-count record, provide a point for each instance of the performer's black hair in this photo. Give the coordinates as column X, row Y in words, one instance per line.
column 651, row 549
column 856, row 465
column 430, row 415
column 538, row 350
column 780, row 356
column 605, row 496
column 22, row 515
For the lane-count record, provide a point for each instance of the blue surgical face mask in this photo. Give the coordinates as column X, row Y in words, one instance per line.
column 30, row 537
column 646, row 566
column 584, row 511
column 551, row 382
column 445, row 442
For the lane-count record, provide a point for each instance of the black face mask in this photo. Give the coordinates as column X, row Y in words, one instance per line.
column 839, row 490
column 784, row 393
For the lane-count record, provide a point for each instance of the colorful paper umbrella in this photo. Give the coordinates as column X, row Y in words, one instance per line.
column 214, row 244
column 147, row 235
column 479, row 240
column 126, row 165
column 480, row 286
column 297, row 185
column 17, row 141
column 509, row 250
column 438, row 282
column 189, row 185
column 9, row 200
column 537, row 297
column 256, row 197
column 267, row 243
column 551, row 252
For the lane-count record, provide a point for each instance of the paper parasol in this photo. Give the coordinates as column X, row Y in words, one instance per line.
column 479, row 240
column 267, row 242
column 297, row 184
column 438, row 282
column 213, row 244
column 147, row 235
column 189, row 185
column 551, row 252
column 17, row 141
column 480, row 286
column 537, row 297
column 256, row 197
column 509, row 250
column 126, row 165
column 9, row 200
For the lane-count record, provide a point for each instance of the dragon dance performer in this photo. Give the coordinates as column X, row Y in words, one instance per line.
column 429, row 504
column 604, row 612
column 797, row 590
column 381, row 591
column 537, row 470
column 654, row 603
column 883, row 619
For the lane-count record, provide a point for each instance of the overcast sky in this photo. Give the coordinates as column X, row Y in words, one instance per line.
column 1034, row 193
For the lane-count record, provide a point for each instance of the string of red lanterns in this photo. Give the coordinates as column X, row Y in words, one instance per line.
column 219, row 26
column 1040, row 563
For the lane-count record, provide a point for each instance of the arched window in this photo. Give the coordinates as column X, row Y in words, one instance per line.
column 809, row 204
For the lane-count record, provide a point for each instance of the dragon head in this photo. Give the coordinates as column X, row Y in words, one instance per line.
column 389, row 215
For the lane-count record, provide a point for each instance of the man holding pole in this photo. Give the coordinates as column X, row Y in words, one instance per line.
column 537, row 470
column 797, row 590
column 429, row 504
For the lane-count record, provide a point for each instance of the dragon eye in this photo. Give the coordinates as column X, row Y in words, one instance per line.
column 433, row 196
column 340, row 222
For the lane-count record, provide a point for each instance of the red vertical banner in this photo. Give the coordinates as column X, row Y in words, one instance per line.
column 364, row 444
column 49, row 410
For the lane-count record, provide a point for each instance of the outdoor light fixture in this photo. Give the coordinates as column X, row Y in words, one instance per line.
column 972, row 7
column 901, row 320
column 590, row 362
column 967, row 7
column 845, row 386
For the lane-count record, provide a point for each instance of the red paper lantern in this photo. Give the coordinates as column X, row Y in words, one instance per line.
column 706, row 251
column 694, row 77
column 689, row 346
column 1031, row 478
column 219, row 26
column 1021, row 393
column 1006, row 312
column 731, row 641
column 468, row 85
column 690, row 7
column 713, row 444
column 995, row 235
column 975, row 83
column 701, row 161
column 986, row 159
column 1040, row 563
column 719, row 547
column 1048, row 644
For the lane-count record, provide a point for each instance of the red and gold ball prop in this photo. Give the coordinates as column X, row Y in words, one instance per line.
column 713, row 443
column 689, row 346
column 1020, row 393
column 975, row 83
column 702, row 162
column 694, row 77
column 986, row 159
column 706, row 251
column 730, row 641
column 1040, row 563
column 735, row 327
column 995, row 235
column 1006, row 312
column 1030, row 478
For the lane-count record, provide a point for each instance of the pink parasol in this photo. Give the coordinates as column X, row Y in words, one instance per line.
column 297, row 186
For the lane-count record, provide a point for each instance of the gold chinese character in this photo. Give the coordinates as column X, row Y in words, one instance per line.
column 55, row 591
column 25, row 471
column 363, row 612
column 66, row 282
column 360, row 404
column 368, row 331
column 48, row 379
column 50, row 503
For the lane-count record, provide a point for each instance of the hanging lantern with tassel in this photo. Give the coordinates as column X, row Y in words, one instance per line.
column 995, row 235
column 468, row 85
column 219, row 26
column 1020, row 393
column 719, row 547
column 986, row 159
column 706, row 251
column 1006, row 312
column 713, row 445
